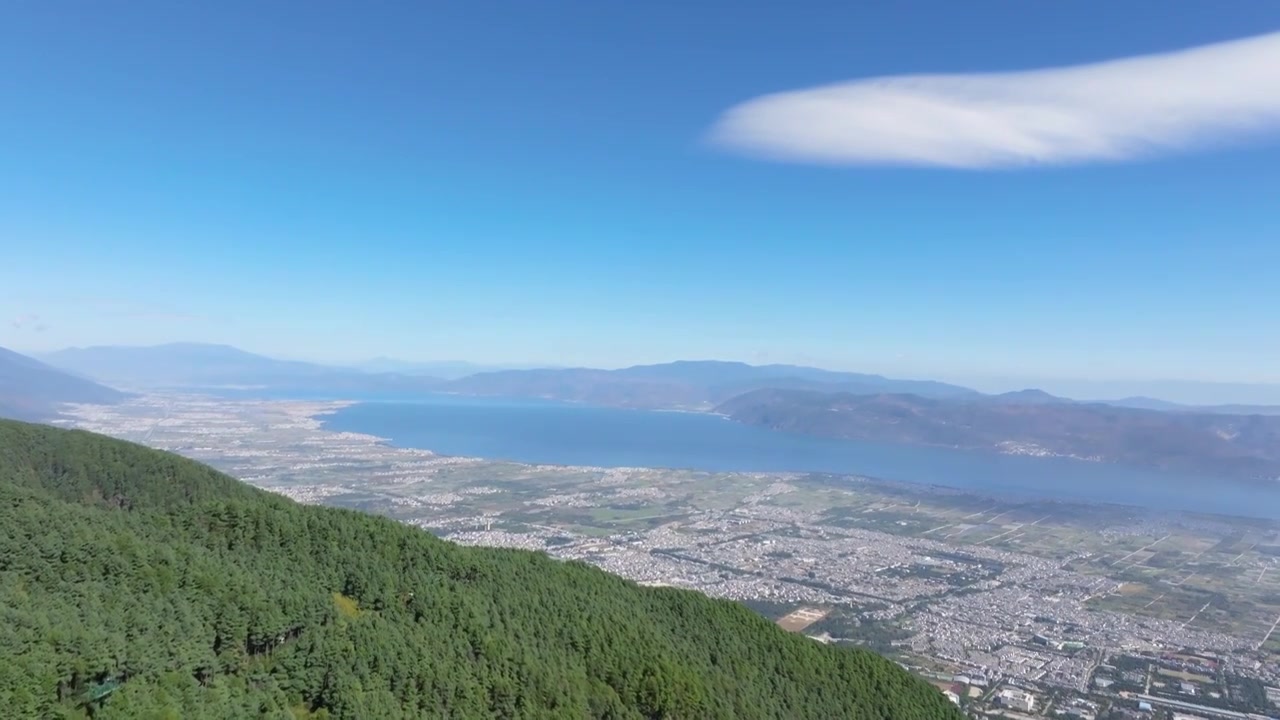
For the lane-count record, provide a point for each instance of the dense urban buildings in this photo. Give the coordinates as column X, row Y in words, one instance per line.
column 1010, row 606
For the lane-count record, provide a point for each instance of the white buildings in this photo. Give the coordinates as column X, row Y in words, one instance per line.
column 1017, row 699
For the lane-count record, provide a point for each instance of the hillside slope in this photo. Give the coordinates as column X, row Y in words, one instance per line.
column 30, row 389
column 1244, row 446
column 145, row 585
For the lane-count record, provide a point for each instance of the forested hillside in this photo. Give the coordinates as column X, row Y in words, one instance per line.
column 136, row 584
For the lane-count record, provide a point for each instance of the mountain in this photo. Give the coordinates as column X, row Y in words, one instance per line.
column 1194, row 393
column 171, row 590
column 695, row 385
column 1243, row 446
column 1139, row 402
column 1030, row 396
column 698, row 385
column 200, row 365
column 30, row 389
column 1147, row 403
column 177, row 364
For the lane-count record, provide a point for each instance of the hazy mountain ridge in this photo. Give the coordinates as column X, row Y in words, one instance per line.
column 30, row 389
column 200, row 365
column 689, row 384
column 1148, row 403
column 1246, row 446
column 684, row 385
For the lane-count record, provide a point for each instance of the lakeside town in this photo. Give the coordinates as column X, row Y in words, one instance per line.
column 1012, row 607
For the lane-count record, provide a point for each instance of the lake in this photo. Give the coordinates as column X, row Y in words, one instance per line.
column 533, row 431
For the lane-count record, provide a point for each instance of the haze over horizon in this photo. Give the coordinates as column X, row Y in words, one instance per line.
column 1189, row 392
column 583, row 188
column 731, row 361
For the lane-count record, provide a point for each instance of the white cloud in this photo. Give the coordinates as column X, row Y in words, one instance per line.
column 1121, row 109
column 29, row 320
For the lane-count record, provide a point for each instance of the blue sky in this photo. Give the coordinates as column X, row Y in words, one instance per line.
column 551, row 182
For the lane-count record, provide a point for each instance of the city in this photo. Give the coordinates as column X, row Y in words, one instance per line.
column 1012, row 607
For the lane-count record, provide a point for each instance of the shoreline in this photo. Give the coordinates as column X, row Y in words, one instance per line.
column 139, row 419
column 1026, row 497
column 939, row 563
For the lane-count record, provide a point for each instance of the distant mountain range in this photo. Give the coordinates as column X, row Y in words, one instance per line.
column 1235, row 440
column 689, row 385
column 32, row 390
column 1028, row 423
column 1191, row 393
column 1147, row 403
column 199, row 365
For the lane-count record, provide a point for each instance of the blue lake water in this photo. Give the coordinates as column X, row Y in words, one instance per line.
column 535, row 431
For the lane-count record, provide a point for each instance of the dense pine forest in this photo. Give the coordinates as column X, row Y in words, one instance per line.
column 137, row 584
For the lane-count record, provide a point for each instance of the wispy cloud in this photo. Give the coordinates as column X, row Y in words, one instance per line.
column 1123, row 109
column 30, row 322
